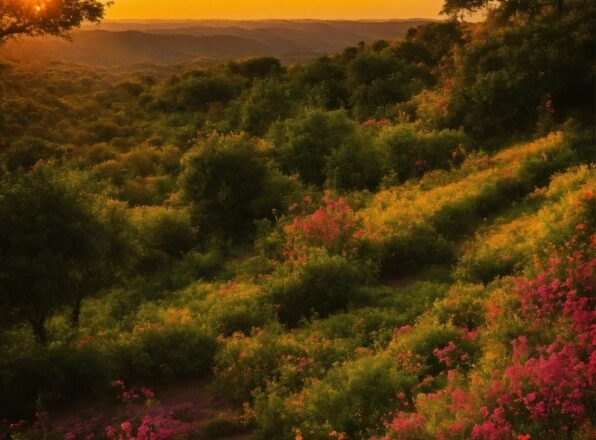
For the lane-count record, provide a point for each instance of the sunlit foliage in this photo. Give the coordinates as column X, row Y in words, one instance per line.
column 394, row 242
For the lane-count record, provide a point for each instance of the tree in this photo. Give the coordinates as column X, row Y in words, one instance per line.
column 224, row 179
column 55, row 246
column 303, row 143
column 513, row 79
column 456, row 6
column 266, row 102
column 47, row 17
column 322, row 83
column 355, row 165
column 506, row 9
column 431, row 42
column 257, row 67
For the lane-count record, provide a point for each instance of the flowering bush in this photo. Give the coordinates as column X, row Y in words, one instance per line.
column 545, row 388
column 334, row 226
column 248, row 364
column 159, row 427
column 132, row 394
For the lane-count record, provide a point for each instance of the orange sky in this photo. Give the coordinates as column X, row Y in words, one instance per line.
column 255, row 9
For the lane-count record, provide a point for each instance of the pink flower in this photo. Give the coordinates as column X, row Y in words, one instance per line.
column 126, row 427
column 110, row 432
column 148, row 393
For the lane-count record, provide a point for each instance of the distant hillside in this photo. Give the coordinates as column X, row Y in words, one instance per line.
column 165, row 42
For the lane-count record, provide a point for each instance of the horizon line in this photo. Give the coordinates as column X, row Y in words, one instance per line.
column 273, row 19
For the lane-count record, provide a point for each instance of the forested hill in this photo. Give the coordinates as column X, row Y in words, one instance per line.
column 129, row 42
column 392, row 241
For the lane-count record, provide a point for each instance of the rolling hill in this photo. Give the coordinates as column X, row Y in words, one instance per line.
column 123, row 43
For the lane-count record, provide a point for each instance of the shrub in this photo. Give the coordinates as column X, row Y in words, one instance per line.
column 27, row 151
column 166, row 234
column 238, row 308
column 334, row 226
column 407, row 302
column 45, row 377
column 533, row 380
column 350, row 399
column 303, row 143
column 354, row 165
column 509, row 245
column 410, row 153
column 224, row 181
column 149, row 427
column 320, row 286
column 401, row 254
column 157, row 354
column 247, row 363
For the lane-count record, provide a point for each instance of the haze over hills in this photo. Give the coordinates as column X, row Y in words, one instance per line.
column 127, row 42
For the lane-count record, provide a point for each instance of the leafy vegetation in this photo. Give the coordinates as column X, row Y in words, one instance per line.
column 395, row 242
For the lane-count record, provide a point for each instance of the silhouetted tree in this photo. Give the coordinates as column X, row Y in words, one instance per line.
column 47, row 17
column 506, row 9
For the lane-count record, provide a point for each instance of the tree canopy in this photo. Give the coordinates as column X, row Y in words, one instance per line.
column 47, row 17
column 56, row 245
column 506, row 9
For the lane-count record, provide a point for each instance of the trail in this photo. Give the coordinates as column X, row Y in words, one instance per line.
column 208, row 415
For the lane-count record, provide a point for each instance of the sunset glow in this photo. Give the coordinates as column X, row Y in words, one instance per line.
column 256, row 9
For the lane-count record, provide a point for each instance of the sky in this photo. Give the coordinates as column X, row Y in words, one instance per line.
column 256, row 9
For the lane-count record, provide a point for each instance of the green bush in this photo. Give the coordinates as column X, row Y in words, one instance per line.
column 303, row 143
column 225, row 182
column 165, row 233
column 351, row 398
column 239, row 308
column 409, row 152
column 248, row 363
column 42, row 377
column 27, row 151
column 463, row 308
column 403, row 254
column 354, row 165
column 323, row 285
column 366, row 327
column 162, row 354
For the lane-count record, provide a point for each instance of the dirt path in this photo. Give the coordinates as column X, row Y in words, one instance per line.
column 190, row 402
column 402, row 281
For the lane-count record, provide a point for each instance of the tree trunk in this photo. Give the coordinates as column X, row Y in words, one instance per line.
column 39, row 330
column 560, row 7
column 76, row 312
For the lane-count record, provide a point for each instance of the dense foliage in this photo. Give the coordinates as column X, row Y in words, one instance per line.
column 393, row 242
column 19, row 17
